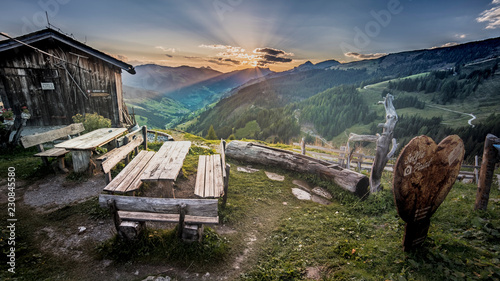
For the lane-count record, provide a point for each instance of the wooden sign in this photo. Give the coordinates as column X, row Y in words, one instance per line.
column 424, row 174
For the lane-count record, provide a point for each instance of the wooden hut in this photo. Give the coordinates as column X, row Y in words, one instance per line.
column 57, row 77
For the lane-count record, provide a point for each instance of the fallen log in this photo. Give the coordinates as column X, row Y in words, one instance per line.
column 256, row 153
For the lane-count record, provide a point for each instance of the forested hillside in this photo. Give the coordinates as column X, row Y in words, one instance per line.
column 267, row 100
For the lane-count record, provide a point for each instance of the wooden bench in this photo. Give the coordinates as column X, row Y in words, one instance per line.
column 130, row 213
column 40, row 139
column 130, row 142
column 212, row 177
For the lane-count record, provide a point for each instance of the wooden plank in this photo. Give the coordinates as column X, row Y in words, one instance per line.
column 54, row 152
column 199, row 188
column 172, row 171
column 93, row 139
column 167, row 162
column 133, row 179
column 144, row 216
column 118, row 154
column 152, row 170
column 127, row 170
column 156, row 217
column 32, row 140
column 171, row 164
column 218, row 180
column 201, row 219
column 195, row 207
column 209, row 177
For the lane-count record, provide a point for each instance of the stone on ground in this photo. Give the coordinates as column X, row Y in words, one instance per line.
column 275, row 177
column 301, row 194
column 247, row 170
column 302, row 184
column 322, row 192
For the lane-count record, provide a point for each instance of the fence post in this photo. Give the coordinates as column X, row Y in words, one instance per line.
column 476, row 172
column 490, row 158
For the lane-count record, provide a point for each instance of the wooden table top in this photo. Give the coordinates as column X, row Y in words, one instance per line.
column 167, row 162
column 92, row 139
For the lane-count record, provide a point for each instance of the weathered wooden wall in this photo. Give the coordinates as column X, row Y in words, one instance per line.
column 93, row 88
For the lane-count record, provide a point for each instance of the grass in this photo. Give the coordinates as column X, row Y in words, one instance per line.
column 350, row 239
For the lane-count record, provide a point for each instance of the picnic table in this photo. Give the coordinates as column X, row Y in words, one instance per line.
column 165, row 165
column 82, row 147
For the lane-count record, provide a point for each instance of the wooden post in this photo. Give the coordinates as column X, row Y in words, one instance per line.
column 145, row 136
column 81, row 160
column 45, row 159
column 226, row 185
column 490, row 158
column 476, row 171
column 303, row 146
column 383, row 153
column 127, row 158
column 182, row 215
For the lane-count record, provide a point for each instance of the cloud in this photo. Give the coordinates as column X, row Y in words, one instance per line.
column 226, row 48
column 265, row 56
column 364, row 56
column 491, row 16
column 461, row 36
column 192, row 57
column 172, row 50
column 231, row 55
column 170, row 56
column 224, row 61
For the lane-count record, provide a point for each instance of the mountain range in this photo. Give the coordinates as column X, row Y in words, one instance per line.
column 259, row 103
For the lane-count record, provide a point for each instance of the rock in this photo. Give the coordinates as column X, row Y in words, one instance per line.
column 247, row 170
column 322, row 192
column 320, row 200
column 467, row 180
column 301, row 194
column 313, row 273
column 275, row 177
column 302, row 184
column 81, row 229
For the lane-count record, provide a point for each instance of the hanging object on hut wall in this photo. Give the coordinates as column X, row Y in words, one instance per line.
column 424, row 174
column 98, row 93
column 47, row 86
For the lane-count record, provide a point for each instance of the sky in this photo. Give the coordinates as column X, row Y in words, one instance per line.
column 227, row 35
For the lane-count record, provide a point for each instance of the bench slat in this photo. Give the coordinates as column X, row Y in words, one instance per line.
column 53, row 152
column 127, row 179
column 133, row 179
column 199, row 188
column 209, row 177
column 156, row 217
column 194, row 207
column 223, row 158
column 218, row 180
column 116, row 155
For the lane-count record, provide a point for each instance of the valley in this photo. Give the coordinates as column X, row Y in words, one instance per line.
column 450, row 90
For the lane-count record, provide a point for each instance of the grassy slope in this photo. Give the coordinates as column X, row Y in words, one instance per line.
column 482, row 103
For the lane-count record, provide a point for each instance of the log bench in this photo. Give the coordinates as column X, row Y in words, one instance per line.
column 130, row 213
column 49, row 136
column 130, row 142
column 212, row 177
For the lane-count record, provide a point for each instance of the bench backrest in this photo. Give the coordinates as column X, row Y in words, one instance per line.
column 194, row 207
column 36, row 139
column 118, row 154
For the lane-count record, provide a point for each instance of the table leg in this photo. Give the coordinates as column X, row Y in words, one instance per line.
column 81, row 160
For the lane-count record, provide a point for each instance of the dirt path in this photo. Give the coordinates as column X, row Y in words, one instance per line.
column 454, row 111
